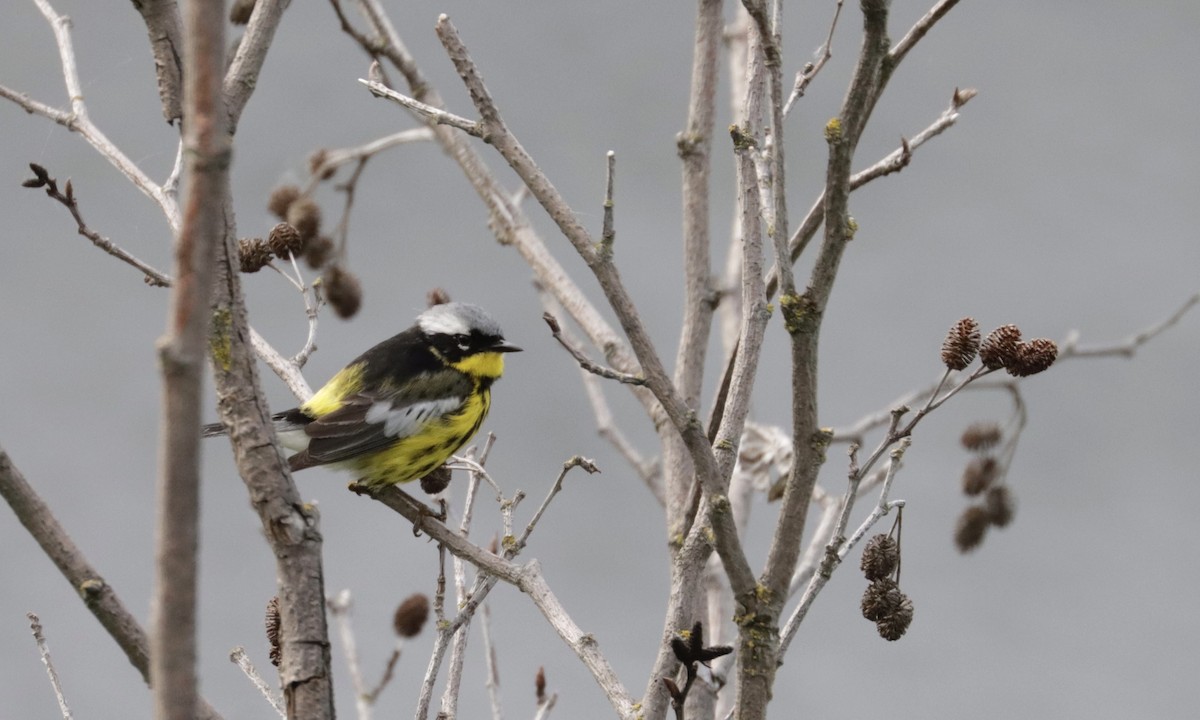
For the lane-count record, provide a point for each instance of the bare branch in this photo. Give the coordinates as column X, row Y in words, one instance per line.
column 70, row 202
column 242, row 75
column 1069, row 348
column 181, row 356
column 99, row 597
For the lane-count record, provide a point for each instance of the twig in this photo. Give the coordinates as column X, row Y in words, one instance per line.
column 331, row 160
column 35, row 625
column 527, row 578
column 648, row 470
column 239, row 657
column 68, row 200
column 428, row 112
column 839, row 547
column 76, row 119
column 339, row 607
column 582, row 359
column 809, row 73
column 492, row 669
column 1069, row 348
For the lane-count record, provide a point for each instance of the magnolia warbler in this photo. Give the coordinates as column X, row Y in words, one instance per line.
column 401, row 409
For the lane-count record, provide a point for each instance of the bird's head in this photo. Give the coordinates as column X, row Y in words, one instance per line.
column 466, row 338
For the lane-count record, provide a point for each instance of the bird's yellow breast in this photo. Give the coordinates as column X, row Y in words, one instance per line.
column 418, row 455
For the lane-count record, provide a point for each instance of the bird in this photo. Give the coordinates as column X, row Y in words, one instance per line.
column 399, row 411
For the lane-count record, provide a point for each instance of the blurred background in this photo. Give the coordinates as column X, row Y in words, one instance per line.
column 1064, row 199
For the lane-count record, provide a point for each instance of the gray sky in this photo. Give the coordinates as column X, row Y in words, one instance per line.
column 1063, row 200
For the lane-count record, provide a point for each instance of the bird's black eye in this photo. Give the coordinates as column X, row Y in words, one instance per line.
column 463, row 342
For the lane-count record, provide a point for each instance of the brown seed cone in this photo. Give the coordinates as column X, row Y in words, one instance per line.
column 285, row 240
column 1033, row 357
column 272, row 624
column 1000, row 505
column 961, row 344
column 411, row 615
column 880, row 599
column 893, row 626
column 1000, row 347
column 318, row 251
column 281, row 199
column 880, row 557
column 436, row 481
column 981, row 437
column 342, row 290
column 972, row 526
column 253, row 254
column 305, row 215
column 979, row 475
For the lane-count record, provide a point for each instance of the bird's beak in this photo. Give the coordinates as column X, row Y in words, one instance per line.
column 504, row 346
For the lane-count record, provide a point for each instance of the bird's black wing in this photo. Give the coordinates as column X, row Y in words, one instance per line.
column 370, row 421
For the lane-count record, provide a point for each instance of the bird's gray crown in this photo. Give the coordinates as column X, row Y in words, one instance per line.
column 456, row 318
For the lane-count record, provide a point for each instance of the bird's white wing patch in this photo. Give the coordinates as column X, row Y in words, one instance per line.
column 406, row 420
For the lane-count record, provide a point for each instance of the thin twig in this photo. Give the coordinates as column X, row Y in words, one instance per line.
column 810, row 71
column 428, row 112
column 239, row 657
column 582, row 359
column 35, row 624
column 339, row 607
column 491, row 665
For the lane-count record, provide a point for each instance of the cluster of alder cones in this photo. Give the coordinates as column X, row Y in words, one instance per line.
column 299, row 236
column 883, row 603
column 1002, row 348
column 982, row 480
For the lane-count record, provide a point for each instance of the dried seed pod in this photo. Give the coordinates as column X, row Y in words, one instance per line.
column 253, row 254
column 281, row 199
column 316, row 163
column 972, row 526
column 880, row 557
column 305, row 215
column 285, row 240
column 411, row 615
column 539, row 684
column 1000, row 506
column 961, row 344
column 880, row 599
column 318, row 251
column 343, row 291
column 979, row 475
column 999, row 348
column 981, row 437
column 272, row 625
column 1033, row 357
column 436, row 481
column 893, row 626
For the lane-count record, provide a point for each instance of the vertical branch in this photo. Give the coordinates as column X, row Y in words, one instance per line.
column 695, row 152
column 181, row 357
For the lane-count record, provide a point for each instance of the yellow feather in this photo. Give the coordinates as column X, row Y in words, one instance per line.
column 345, row 383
